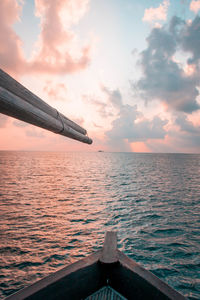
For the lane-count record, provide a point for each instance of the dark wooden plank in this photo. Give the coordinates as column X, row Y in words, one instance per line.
column 59, row 279
column 146, row 279
column 109, row 252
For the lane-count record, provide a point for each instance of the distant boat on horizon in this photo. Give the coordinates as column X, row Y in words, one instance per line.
column 100, row 151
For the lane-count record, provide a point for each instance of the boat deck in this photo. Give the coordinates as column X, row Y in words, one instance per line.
column 106, row 293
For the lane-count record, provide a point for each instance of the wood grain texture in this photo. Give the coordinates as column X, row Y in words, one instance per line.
column 10, row 84
column 18, row 102
column 109, row 252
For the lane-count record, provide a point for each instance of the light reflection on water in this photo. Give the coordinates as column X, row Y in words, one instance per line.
column 56, row 207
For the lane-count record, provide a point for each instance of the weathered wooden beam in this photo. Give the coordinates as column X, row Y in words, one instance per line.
column 109, row 252
column 16, row 107
column 20, row 103
column 10, row 84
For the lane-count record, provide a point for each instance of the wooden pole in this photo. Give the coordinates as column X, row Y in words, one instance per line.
column 110, row 253
column 18, row 102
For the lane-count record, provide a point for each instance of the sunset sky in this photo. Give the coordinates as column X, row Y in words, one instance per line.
column 127, row 71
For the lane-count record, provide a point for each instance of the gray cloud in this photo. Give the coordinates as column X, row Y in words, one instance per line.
column 185, row 141
column 186, row 138
column 34, row 133
column 101, row 107
column 187, row 126
column 125, row 128
column 190, row 40
column 114, row 97
column 20, row 124
column 163, row 78
column 96, row 125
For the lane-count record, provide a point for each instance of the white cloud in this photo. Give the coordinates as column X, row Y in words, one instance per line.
column 156, row 14
column 56, row 50
column 195, row 6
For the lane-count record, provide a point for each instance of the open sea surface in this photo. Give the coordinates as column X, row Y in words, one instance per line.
column 55, row 208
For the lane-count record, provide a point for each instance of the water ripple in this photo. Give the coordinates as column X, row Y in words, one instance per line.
column 56, row 207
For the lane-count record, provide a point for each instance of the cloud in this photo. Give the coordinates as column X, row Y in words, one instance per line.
column 3, row 120
column 163, row 77
column 126, row 127
column 56, row 50
column 11, row 54
column 33, row 132
column 156, row 14
column 182, row 137
column 187, row 137
column 129, row 125
column 97, row 126
column 189, row 40
column 20, row 124
column 195, row 6
column 187, row 126
column 56, row 91
column 114, row 97
column 100, row 106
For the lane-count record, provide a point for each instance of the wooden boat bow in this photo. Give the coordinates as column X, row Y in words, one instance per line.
column 106, row 267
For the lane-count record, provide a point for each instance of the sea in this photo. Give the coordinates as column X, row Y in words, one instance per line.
column 55, row 208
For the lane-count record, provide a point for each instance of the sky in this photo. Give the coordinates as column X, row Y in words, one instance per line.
column 127, row 71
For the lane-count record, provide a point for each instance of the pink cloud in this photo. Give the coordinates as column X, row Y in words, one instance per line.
column 3, row 120
column 55, row 91
column 11, row 54
column 55, row 50
column 195, row 6
column 55, row 43
column 154, row 14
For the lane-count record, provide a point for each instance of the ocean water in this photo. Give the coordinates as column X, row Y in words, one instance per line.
column 56, row 207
